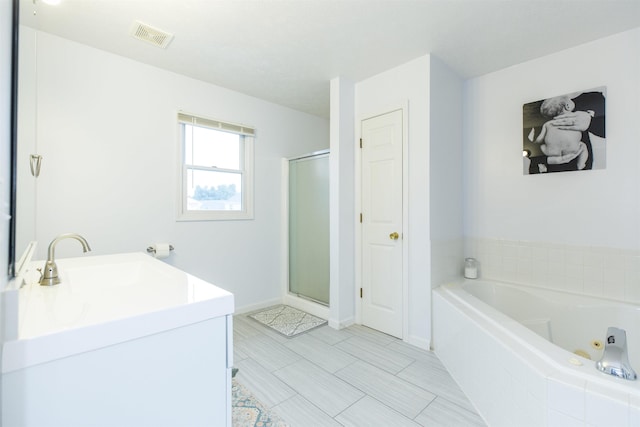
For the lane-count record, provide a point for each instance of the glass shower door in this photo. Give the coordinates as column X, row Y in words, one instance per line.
column 309, row 227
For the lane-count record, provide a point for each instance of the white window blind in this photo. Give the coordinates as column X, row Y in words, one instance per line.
column 215, row 124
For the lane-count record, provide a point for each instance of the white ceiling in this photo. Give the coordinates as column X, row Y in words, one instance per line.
column 286, row 51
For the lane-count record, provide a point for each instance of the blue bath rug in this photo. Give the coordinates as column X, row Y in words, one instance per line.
column 247, row 411
column 287, row 320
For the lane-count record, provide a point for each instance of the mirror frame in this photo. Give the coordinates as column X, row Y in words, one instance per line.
column 13, row 139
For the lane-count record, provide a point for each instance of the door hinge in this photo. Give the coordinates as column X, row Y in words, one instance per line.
column 360, row 142
column 360, row 218
column 360, row 292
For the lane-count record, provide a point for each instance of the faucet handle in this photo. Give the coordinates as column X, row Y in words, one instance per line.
column 50, row 276
column 615, row 358
column 616, row 337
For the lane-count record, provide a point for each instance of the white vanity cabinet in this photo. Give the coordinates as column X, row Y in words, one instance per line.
column 165, row 366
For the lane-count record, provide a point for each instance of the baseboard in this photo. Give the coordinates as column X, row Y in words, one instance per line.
column 335, row 324
column 253, row 307
column 422, row 343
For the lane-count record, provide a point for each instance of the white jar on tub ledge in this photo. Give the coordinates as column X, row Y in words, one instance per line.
column 470, row 268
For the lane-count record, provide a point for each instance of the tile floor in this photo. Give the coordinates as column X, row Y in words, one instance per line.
column 352, row 377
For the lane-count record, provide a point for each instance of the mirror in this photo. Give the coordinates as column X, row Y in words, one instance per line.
column 24, row 199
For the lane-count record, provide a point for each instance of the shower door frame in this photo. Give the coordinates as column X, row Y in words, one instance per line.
column 288, row 298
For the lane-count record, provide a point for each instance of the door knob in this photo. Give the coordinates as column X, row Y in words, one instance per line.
column 394, row 236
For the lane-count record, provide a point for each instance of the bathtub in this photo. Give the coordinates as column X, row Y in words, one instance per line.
column 526, row 356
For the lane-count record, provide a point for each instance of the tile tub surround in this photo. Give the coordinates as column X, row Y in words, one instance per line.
column 515, row 377
column 595, row 271
column 351, row 377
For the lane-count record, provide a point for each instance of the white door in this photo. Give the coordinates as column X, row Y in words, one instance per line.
column 382, row 223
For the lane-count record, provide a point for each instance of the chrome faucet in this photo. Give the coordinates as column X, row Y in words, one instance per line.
column 50, row 275
column 615, row 360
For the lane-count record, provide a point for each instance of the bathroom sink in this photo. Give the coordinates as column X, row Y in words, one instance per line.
column 106, row 299
column 117, row 274
column 122, row 339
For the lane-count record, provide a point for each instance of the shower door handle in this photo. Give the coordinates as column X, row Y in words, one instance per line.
column 394, row 235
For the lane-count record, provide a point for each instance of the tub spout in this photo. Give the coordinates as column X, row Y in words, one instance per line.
column 615, row 360
column 50, row 274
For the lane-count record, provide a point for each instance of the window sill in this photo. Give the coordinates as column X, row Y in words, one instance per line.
column 214, row 216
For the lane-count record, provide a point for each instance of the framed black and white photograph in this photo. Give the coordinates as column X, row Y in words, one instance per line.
column 565, row 133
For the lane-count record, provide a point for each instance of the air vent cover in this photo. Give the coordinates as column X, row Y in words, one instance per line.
column 150, row 34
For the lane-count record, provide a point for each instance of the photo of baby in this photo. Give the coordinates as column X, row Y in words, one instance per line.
column 565, row 133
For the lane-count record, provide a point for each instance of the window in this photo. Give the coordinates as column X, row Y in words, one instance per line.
column 216, row 169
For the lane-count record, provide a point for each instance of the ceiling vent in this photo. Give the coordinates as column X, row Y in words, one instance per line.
column 151, row 35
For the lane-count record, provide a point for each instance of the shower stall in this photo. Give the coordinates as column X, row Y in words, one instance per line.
column 307, row 188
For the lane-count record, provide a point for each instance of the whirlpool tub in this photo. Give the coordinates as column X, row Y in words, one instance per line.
column 526, row 356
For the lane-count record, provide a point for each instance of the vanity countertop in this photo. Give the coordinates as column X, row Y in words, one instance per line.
column 105, row 300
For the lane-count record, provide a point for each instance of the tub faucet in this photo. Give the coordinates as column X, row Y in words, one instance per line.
column 50, row 275
column 615, row 360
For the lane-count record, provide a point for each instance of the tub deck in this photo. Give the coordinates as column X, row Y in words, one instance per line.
column 513, row 375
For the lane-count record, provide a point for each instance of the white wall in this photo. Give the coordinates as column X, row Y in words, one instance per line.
column 445, row 169
column 408, row 85
column 587, row 208
column 342, row 208
column 108, row 134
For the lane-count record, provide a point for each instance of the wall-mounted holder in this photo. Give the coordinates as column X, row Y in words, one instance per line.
column 160, row 250
column 152, row 249
column 35, row 161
